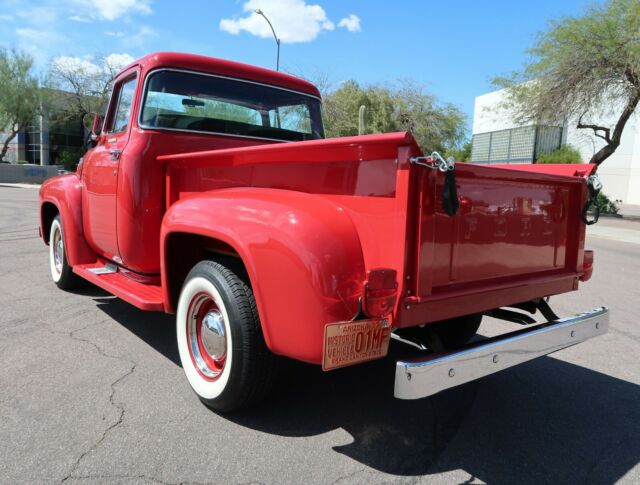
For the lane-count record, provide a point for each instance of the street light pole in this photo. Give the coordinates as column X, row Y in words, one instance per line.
column 260, row 12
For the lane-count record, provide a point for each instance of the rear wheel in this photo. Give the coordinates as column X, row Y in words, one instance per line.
column 446, row 334
column 61, row 272
column 220, row 340
column 456, row 332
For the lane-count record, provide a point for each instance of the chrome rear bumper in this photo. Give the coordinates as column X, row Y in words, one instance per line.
column 438, row 372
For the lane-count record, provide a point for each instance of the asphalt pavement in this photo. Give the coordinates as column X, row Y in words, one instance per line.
column 91, row 391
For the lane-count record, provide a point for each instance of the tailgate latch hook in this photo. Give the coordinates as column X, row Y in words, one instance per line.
column 450, row 202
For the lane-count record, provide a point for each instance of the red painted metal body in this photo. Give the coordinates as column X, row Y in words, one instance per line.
column 309, row 220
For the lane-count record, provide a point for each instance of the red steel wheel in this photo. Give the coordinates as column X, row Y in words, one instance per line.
column 220, row 340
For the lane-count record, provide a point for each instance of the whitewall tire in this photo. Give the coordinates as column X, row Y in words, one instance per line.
column 220, row 340
column 61, row 272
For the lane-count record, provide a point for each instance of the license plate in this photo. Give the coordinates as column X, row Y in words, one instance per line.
column 347, row 343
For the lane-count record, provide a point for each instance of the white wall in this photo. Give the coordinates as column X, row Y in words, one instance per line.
column 620, row 173
column 490, row 115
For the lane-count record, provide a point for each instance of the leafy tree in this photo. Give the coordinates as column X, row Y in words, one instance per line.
column 77, row 87
column 19, row 94
column 436, row 126
column 580, row 67
column 80, row 87
column 341, row 109
column 564, row 154
column 462, row 153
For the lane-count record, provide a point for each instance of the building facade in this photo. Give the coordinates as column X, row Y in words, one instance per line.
column 56, row 136
column 497, row 138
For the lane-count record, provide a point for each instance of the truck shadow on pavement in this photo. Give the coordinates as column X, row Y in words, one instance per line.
column 547, row 421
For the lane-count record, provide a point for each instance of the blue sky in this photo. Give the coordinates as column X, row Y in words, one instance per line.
column 452, row 47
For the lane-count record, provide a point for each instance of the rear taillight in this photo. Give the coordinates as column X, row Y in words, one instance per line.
column 380, row 292
column 587, row 266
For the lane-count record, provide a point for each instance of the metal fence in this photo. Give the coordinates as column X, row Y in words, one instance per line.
column 516, row 145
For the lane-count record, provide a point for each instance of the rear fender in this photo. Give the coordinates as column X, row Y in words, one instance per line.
column 301, row 252
column 64, row 192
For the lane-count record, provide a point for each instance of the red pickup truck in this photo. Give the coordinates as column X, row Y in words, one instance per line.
column 210, row 192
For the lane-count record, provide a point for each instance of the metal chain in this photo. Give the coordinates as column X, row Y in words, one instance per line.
column 435, row 161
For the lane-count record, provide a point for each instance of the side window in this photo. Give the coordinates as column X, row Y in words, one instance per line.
column 122, row 113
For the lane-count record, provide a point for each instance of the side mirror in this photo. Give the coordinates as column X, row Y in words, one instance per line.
column 96, row 129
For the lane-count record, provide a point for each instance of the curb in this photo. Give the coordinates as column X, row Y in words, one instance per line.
column 20, row 186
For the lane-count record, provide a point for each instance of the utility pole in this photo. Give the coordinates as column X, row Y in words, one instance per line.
column 260, row 12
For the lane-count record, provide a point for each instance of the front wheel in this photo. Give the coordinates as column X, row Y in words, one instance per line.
column 61, row 272
column 220, row 340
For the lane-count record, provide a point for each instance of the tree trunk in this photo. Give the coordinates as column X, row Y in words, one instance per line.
column 614, row 142
column 5, row 147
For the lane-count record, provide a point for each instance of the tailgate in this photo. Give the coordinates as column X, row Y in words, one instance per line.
column 513, row 230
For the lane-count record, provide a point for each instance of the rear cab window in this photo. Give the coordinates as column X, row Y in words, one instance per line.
column 197, row 102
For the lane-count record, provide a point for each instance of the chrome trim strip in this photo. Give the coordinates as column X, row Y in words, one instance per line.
column 216, row 133
column 438, row 372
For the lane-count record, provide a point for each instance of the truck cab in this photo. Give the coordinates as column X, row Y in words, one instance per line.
column 167, row 104
column 210, row 192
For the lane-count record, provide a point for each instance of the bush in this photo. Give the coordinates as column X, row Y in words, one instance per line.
column 564, row 154
column 22, row 162
column 460, row 154
column 69, row 158
column 606, row 205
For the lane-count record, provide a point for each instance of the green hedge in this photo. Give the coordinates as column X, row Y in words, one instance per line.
column 564, row 154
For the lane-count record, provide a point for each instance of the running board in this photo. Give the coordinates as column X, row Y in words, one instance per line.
column 437, row 372
column 109, row 278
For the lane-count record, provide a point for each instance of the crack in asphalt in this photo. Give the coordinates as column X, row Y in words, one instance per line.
column 348, row 476
column 624, row 333
column 117, row 405
column 135, row 477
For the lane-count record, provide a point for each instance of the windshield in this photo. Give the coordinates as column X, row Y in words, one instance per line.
column 199, row 102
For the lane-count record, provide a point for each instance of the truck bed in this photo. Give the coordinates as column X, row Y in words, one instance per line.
column 517, row 234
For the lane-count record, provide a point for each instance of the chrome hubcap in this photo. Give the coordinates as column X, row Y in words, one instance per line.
column 58, row 250
column 206, row 336
column 214, row 338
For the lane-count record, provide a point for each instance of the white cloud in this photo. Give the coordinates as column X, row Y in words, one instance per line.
column 293, row 20
column 351, row 23
column 39, row 14
column 134, row 39
column 76, row 64
column 118, row 61
column 89, row 66
column 140, row 37
column 36, row 38
column 114, row 9
column 78, row 18
column 6, row 17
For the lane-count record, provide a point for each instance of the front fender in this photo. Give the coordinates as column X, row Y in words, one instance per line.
column 302, row 254
column 65, row 192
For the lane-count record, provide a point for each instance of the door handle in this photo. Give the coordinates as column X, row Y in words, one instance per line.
column 115, row 154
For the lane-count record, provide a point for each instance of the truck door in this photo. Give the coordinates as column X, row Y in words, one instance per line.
column 101, row 169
